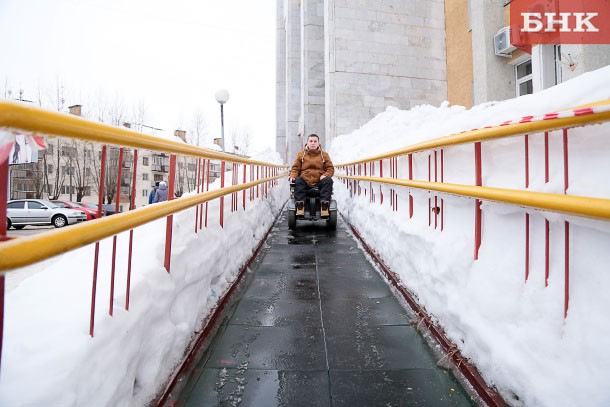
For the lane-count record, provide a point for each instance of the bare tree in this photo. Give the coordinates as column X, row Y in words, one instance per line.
column 199, row 130
column 52, row 165
column 85, row 156
column 241, row 140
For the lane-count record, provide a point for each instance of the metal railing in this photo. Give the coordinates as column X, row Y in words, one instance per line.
column 248, row 175
column 356, row 173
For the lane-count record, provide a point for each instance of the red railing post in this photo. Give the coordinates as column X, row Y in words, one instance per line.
column 429, row 198
column 547, row 225
column 114, row 238
column 435, row 195
column 442, row 180
column 222, row 198
column 477, row 212
column 380, row 184
column 198, row 178
column 132, row 205
column 97, row 244
column 3, row 231
column 410, row 178
column 207, row 188
column 566, row 228
column 527, row 215
column 3, row 197
column 244, row 191
column 170, row 218
column 258, row 176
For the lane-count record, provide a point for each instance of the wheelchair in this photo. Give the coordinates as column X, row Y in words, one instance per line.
column 312, row 209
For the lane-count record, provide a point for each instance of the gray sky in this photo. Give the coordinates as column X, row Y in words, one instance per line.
column 170, row 57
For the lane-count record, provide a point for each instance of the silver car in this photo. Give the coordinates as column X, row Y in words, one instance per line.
column 23, row 212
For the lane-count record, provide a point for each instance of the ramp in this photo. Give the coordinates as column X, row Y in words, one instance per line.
column 316, row 325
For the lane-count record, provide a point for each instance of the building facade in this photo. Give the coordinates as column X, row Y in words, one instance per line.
column 69, row 170
column 341, row 62
column 479, row 69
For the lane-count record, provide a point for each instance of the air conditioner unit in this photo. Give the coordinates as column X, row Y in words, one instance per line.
column 502, row 45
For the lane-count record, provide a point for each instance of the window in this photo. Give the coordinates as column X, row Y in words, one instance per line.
column 523, row 72
column 145, row 192
column 35, row 205
column 145, row 161
column 49, row 168
column 68, row 151
column 16, row 205
column 145, row 176
column 558, row 62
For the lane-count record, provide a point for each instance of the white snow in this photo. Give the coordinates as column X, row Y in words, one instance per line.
column 513, row 330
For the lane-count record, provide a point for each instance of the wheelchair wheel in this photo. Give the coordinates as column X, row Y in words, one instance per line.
column 292, row 219
column 331, row 223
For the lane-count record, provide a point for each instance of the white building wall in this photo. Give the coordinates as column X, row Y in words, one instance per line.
column 293, row 77
column 380, row 54
column 312, row 67
column 493, row 78
column 583, row 58
column 280, row 85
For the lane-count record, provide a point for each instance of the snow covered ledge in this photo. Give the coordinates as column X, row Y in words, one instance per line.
column 49, row 357
column 514, row 331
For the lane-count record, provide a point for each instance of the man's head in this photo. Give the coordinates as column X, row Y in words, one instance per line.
column 313, row 142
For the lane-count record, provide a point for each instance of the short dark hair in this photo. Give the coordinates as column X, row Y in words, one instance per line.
column 314, row 135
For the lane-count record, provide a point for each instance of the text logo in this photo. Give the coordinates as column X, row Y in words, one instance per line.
column 535, row 22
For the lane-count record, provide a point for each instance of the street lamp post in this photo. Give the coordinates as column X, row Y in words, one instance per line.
column 222, row 96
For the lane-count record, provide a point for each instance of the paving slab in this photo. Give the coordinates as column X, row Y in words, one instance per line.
column 316, row 325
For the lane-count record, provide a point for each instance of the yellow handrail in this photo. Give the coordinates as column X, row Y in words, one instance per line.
column 595, row 208
column 27, row 250
column 18, row 116
column 492, row 133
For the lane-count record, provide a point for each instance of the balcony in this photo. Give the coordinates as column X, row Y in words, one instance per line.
column 160, row 168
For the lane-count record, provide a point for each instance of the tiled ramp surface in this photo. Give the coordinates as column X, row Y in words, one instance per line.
column 315, row 325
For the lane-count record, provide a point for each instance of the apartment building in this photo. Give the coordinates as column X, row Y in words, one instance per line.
column 69, row 170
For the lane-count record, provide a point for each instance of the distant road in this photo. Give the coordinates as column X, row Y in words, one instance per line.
column 28, row 230
column 15, row 277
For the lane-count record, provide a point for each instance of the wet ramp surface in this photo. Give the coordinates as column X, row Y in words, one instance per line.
column 315, row 325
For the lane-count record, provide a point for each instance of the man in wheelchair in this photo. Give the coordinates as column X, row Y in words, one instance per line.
column 311, row 173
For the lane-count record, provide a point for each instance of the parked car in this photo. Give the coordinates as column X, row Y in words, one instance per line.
column 89, row 212
column 23, row 212
column 109, row 208
column 92, row 206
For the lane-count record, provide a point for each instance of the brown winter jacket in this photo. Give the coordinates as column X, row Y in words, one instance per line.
column 311, row 165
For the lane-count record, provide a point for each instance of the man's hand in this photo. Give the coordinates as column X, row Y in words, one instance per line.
column 291, row 180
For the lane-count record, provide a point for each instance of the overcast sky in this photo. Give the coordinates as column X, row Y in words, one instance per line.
column 170, row 57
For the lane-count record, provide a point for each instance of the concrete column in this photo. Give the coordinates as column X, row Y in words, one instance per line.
column 312, row 68
column 381, row 54
column 280, row 84
column 293, row 77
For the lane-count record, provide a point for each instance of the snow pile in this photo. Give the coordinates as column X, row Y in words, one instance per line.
column 513, row 330
column 49, row 357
